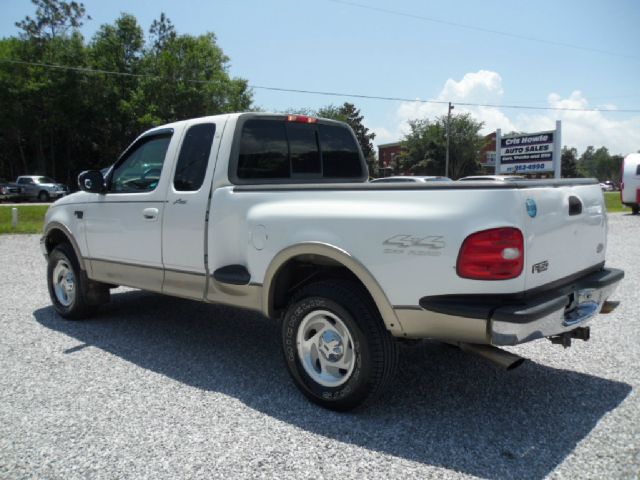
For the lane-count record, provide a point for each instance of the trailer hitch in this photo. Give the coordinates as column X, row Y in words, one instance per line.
column 564, row 339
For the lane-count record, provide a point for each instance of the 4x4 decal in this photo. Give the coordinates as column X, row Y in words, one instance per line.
column 430, row 245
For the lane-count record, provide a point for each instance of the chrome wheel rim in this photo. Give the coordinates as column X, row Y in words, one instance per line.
column 325, row 348
column 64, row 283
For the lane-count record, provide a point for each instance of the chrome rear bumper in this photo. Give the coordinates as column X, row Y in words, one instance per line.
column 512, row 319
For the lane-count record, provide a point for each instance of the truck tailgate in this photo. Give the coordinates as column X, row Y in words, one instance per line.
column 565, row 232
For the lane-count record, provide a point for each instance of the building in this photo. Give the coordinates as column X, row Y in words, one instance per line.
column 488, row 153
column 386, row 156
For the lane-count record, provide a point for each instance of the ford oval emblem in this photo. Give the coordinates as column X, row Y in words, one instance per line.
column 532, row 209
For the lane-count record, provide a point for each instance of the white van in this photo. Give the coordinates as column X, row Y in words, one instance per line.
column 630, row 185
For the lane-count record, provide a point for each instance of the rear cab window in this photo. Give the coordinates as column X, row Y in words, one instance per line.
column 274, row 150
column 194, row 157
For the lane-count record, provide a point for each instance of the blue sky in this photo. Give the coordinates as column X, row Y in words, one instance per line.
column 363, row 47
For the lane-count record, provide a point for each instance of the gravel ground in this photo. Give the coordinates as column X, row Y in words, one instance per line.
column 155, row 387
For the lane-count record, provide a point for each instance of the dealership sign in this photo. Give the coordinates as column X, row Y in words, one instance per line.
column 529, row 153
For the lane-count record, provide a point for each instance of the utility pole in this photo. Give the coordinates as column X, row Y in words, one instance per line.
column 446, row 162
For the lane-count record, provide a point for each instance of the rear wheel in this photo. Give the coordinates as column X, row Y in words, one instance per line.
column 67, row 286
column 635, row 209
column 336, row 346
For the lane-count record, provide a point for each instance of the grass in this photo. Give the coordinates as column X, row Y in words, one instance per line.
column 30, row 219
column 612, row 201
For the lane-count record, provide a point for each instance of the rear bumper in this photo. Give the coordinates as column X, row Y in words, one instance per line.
column 513, row 319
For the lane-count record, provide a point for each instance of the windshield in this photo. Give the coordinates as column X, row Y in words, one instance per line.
column 45, row 180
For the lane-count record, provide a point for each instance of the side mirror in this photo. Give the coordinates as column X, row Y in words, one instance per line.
column 91, row 181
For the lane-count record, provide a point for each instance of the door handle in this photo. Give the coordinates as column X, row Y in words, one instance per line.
column 150, row 213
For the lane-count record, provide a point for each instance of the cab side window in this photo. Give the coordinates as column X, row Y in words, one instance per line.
column 194, row 157
column 140, row 169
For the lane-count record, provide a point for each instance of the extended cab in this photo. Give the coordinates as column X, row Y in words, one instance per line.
column 274, row 213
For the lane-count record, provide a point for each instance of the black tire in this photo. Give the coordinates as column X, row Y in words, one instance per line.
column 635, row 209
column 43, row 196
column 70, row 302
column 371, row 348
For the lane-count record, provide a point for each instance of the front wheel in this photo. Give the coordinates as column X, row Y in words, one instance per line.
column 43, row 196
column 336, row 346
column 635, row 209
column 66, row 284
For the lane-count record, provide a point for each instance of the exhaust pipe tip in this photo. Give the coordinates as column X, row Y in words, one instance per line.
column 506, row 360
column 515, row 364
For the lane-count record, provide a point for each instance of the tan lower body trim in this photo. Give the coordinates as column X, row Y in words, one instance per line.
column 420, row 323
column 176, row 283
column 136, row 276
column 243, row 296
column 184, row 284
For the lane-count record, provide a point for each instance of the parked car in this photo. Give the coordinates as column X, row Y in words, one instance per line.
column 411, row 179
column 9, row 191
column 630, row 185
column 37, row 187
column 275, row 213
column 495, row 178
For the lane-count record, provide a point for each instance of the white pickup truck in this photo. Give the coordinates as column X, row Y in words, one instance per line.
column 274, row 213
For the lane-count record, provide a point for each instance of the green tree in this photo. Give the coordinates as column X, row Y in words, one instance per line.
column 587, row 162
column 569, row 166
column 54, row 18
column 188, row 77
column 161, row 32
column 615, row 168
column 117, row 48
column 425, row 146
column 600, row 164
column 59, row 121
column 42, row 132
column 424, row 149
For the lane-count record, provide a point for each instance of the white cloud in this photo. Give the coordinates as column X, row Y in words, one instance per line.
column 483, row 86
column 384, row 136
column 620, row 134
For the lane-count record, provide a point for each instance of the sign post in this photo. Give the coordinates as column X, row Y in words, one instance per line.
column 498, row 149
column 557, row 151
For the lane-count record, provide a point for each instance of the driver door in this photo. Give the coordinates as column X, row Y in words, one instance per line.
column 124, row 226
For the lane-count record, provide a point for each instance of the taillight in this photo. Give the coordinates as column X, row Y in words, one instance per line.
column 496, row 254
column 301, row 119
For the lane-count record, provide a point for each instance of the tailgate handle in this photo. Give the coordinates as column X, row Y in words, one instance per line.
column 575, row 206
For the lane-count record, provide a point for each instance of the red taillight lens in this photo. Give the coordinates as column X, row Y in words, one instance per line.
column 301, row 119
column 496, row 254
